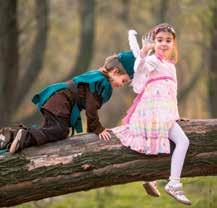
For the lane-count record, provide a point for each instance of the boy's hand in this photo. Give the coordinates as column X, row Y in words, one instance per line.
column 105, row 135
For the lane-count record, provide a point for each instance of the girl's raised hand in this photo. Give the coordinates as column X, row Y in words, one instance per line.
column 105, row 135
column 147, row 44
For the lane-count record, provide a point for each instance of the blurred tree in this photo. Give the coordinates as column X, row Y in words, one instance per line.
column 124, row 15
column 86, row 48
column 16, row 82
column 162, row 11
column 8, row 58
column 15, row 85
column 212, row 82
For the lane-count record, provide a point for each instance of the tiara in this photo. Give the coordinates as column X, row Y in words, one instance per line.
column 163, row 28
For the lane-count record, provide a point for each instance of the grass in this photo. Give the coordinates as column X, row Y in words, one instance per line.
column 201, row 190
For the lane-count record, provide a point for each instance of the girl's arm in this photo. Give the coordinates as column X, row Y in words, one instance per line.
column 143, row 66
column 139, row 54
column 134, row 46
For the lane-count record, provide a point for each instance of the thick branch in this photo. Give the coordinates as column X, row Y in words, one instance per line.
column 84, row 162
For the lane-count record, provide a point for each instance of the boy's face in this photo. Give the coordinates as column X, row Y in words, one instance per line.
column 118, row 80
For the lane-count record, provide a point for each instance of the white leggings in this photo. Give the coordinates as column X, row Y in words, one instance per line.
column 177, row 135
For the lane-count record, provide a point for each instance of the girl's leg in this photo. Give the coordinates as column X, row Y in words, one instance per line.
column 177, row 135
column 174, row 187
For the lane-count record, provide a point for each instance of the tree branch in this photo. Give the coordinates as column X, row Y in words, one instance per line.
column 84, row 162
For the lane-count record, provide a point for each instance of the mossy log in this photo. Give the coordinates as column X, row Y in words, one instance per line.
column 84, row 162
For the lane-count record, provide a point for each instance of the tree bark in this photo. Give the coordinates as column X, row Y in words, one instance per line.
column 84, row 162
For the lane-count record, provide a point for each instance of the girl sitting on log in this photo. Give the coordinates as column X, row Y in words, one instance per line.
column 151, row 120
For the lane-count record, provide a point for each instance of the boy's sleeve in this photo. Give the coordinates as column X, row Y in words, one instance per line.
column 93, row 103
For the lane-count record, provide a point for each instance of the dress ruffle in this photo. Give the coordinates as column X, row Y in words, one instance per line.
column 154, row 114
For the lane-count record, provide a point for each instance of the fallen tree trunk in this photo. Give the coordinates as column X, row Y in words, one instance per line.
column 84, row 162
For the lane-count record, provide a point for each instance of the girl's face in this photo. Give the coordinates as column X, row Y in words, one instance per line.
column 164, row 43
column 118, row 80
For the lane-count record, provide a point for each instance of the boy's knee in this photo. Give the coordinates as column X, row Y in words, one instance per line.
column 63, row 131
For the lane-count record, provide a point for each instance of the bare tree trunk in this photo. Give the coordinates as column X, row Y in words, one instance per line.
column 84, row 162
column 212, row 82
column 8, row 58
column 163, row 9
column 37, row 52
column 85, row 54
column 13, row 90
column 86, row 47
column 124, row 15
column 187, row 89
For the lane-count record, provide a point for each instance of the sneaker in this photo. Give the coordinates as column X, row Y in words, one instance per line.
column 177, row 193
column 4, row 141
column 18, row 141
column 151, row 188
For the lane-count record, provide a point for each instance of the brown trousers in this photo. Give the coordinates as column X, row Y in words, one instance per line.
column 53, row 128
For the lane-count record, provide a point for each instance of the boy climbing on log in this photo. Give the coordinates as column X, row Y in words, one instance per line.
column 61, row 103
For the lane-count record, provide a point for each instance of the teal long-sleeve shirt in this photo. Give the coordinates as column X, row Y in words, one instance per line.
column 98, row 83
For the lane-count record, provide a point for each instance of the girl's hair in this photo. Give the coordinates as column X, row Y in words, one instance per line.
column 165, row 27
column 112, row 62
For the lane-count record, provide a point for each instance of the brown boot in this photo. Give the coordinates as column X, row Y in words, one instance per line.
column 151, row 188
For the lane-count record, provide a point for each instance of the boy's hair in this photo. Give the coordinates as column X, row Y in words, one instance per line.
column 112, row 62
column 165, row 27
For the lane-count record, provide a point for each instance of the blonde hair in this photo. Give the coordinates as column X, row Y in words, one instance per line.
column 165, row 27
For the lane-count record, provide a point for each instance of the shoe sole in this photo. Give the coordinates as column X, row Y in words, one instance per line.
column 150, row 190
column 15, row 144
column 183, row 202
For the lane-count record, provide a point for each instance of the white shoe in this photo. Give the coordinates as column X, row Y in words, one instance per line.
column 151, row 188
column 177, row 193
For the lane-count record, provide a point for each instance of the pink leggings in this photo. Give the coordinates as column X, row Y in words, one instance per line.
column 177, row 135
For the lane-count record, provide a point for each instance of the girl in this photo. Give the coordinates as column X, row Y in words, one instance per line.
column 151, row 120
column 61, row 103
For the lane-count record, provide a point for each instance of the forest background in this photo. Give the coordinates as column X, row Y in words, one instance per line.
column 47, row 41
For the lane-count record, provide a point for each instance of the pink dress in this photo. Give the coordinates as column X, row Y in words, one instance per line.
column 155, row 108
